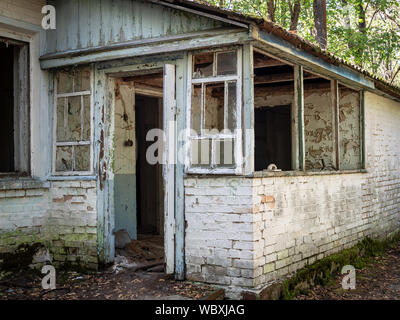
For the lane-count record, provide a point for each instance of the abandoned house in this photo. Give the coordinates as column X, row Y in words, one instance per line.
column 274, row 153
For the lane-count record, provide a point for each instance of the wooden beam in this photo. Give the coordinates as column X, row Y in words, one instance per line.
column 335, row 122
column 299, row 107
column 261, row 62
column 280, row 77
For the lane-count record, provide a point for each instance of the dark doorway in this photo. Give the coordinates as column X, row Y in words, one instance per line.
column 273, row 138
column 149, row 180
column 7, row 108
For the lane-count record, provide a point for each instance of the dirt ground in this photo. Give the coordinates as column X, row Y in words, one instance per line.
column 379, row 280
column 125, row 285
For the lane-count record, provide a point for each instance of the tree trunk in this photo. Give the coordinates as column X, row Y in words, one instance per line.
column 271, row 10
column 294, row 15
column 319, row 7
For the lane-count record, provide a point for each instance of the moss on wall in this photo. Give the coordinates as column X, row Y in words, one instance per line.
column 323, row 271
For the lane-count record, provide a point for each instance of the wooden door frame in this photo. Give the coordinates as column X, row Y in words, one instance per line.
column 106, row 216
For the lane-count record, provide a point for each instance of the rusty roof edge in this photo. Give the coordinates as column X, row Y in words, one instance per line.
column 293, row 38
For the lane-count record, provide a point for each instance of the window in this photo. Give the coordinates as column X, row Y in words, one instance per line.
column 214, row 118
column 14, row 97
column 350, row 136
column 273, row 113
column 304, row 121
column 318, row 125
column 72, row 153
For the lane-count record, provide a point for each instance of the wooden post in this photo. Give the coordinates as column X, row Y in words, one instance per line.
column 335, row 123
column 299, row 149
column 169, row 160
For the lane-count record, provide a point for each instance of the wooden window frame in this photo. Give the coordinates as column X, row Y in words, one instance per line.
column 237, row 167
column 73, row 144
column 21, row 106
column 335, row 105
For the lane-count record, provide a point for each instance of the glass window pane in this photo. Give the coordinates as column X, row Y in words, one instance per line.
column 81, row 79
column 232, row 104
column 224, row 153
column 201, row 153
column 73, row 132
column 86, row 117
column 214, row 106
column 203, row 65
column 60, row 119
column 64, row 81
column 196, row 109
column 226, row 63
column 82, row 158
column 64, row 159
column 349, row 129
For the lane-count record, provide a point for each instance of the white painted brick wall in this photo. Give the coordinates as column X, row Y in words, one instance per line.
column 249, row 232
column 62, row 217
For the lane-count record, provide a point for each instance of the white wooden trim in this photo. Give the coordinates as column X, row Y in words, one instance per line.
column 169, row 158
column 237, row 137
column 74, row 94
column 72, row 144
column 215, row 79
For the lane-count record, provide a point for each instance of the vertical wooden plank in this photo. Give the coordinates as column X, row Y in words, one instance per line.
column 363, row 137
column 103, row 119
column 169, row 160
column 248, row 110
column 335, row 123
column 295, row 123
column 299, row 93
column 181, row 82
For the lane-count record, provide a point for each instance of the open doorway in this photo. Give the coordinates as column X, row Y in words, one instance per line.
column 138, row 183
column 273, row 103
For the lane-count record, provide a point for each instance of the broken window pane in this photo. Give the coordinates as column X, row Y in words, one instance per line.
column 81, row 79
column 318, row 114
column 203, row 65
column 214, row 106
column 226, row 63
column 196, row 109
column 64, row 159
column 224, row 153
column 73, row 130
column 82, row 158
column 60, row 119
column 349, row 128
column 65, row 82
column 86, row 117
column 201, row 152
column 232, row 106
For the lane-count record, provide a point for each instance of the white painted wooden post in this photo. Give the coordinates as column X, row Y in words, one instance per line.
column 169, row 160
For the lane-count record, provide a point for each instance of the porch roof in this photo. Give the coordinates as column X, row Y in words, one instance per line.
column 275, row 29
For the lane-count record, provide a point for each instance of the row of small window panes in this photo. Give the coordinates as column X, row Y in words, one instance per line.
column 70, row 81
column 213, row 106
column 73, row 158
column 73, row 119
column 212, row 64
column 202, row 155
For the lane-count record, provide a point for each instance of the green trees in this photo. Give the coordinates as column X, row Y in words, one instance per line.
column 364, row 32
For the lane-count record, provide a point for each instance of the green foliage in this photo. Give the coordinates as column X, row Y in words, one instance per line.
column 364, row 32
column 323, row 271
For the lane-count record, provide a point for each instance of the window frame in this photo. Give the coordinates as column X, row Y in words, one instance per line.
column 21, row 108
column 236, row 136
column 73, row 144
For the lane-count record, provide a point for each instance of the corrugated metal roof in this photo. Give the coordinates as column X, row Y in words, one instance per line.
column 293, row 38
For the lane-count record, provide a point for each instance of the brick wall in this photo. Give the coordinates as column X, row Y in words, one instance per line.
column 72, row 222
column 23, row 209
column 219, row 244
column 61, row 215
column 250, row 232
